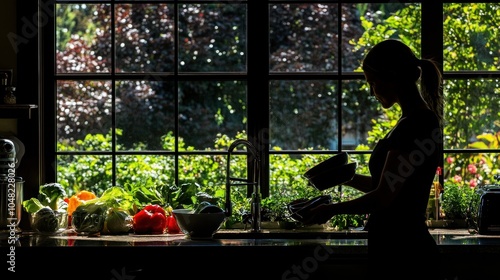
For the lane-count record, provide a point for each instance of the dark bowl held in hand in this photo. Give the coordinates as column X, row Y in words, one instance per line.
column 327, row 165
column 333, row 177
column 299, row 208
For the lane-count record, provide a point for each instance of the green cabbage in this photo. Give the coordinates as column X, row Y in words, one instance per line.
column 45, row 220
column 89, row 217
column 118, row 221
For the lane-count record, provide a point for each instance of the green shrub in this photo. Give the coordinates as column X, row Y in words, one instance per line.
column 456, row 199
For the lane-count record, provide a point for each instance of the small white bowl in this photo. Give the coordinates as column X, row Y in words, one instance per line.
column 199, row 225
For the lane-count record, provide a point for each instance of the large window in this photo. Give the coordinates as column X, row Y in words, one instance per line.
column 149, row 92
column 472, row 65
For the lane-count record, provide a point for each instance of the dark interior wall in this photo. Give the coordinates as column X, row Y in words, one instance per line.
column 7, row 54
column 8, row 26
column 26, row 52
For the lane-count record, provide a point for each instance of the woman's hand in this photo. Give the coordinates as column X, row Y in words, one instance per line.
column 319, row 215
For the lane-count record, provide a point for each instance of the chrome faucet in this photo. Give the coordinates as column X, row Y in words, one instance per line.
column 254, row 181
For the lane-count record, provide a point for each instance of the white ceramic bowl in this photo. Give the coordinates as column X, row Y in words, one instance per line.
column 198, row 225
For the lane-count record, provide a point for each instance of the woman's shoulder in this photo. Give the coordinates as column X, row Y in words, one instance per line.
column 421, row 122
column 421, row 116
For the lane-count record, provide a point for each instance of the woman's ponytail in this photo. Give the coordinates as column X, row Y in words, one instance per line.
column 431, row 83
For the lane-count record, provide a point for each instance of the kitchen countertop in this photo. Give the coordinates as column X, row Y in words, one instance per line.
column 268, row 237
column 238, row 252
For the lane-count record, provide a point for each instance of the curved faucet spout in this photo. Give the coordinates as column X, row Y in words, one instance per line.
column 254, row 181
column 242, row 142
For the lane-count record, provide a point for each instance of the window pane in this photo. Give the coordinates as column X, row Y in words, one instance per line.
column 145, row 113
column 144, row 38
column 208, row 171
column 360, row 113
column 365, row 24
column 212, row 37
column 472, row 169
column 287, row 180
column 84, row 172
column 83, row 107
column 144, row 170
column 83, row 38
column 304, row 114
column 209, row 108
column 471, row 36
column 303, row 37
column 472, row 109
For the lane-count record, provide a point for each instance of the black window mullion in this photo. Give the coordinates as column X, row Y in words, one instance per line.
column 432, row 43
column 432, row 31
column 258, row 84
column 176, row 93
column 47, row 99
column 339, row 81
column 113, row 96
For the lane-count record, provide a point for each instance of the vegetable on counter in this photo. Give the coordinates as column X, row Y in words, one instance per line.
column 45, row 220
column 48, row 210
column 117, row 221
column 77, row 199
column 152, row 219
column 162, row 194
column 51, row 195
column 91, row 215
column 172, row 226
column 89, row 218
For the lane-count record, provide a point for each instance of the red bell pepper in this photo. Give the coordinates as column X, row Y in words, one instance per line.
column 152, row 219
column 172, row 226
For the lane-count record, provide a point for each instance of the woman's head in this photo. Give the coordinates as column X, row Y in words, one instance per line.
column 393, row 64
column 392, row 60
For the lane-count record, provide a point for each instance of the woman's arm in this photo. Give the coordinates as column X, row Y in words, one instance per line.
column 393, row 176
column 362, row 183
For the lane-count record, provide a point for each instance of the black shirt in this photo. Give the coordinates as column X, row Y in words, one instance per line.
column 418, row 135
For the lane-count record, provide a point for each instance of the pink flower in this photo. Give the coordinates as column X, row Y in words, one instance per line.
column 450, row 160
column 457, row 178
column 472, row 168
column 473, row 183
column 439, row 170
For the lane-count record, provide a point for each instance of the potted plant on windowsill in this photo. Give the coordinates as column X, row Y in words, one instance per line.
column 455, row 202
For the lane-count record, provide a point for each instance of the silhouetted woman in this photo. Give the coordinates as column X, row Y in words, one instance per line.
column 402, row 166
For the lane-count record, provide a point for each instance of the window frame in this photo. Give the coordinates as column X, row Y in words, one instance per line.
column 39, row 133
